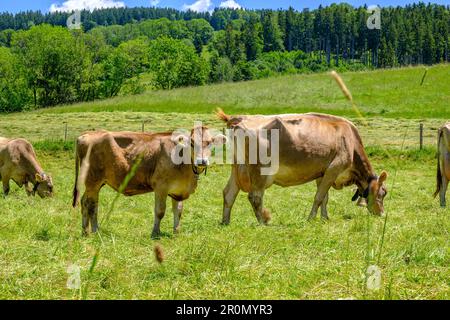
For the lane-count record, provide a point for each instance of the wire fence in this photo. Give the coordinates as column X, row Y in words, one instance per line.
column 411, row 134
column 390, row 133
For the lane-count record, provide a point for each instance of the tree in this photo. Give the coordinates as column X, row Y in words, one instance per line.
column 136, row 54
column 271, row 32
column 252, row 39
column 115, row 72
column 387, row 56
column 221, row 69
column 50, row 61
column 234, row 49
column 93, row 52
column 290, row 31
column 175, row 64
column 14, row 93
column 5, row 37
column 200, row 31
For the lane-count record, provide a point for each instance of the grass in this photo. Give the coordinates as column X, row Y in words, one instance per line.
column 387, row 93
column 290, row 258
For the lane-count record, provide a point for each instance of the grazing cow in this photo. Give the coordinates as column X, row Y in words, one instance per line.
column 318, row 147
column 111, row 156
column 443, row 163
column 18, row 162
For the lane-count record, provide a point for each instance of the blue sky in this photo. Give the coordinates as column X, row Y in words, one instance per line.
column 44, row 5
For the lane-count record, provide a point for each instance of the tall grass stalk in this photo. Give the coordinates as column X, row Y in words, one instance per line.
column 380, row 246
column 364, row 121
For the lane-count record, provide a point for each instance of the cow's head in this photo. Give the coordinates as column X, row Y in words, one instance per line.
column 376, row 193
column 373, row 196
column 201, row 142
column 44, row 185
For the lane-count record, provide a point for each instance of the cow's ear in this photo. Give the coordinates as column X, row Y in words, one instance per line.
column 219, row 140
column 382, row 178
column 39, row 177
column 181, row 139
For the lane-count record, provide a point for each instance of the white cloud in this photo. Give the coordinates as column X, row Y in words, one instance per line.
column 154, row 3
column 199, row 6
column 71, row 5
column 230, row 4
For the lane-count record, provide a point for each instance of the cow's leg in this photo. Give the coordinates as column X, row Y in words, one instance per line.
column 229, row 196
column 93, row 213
column 160, row 210
column 89, row 211
column 323, row 206
column 443, row 191
column 84, row 215
column 5, row 182
column 256, row 199
column 362, row 202
column 29, row 188
column 322, row 192
column 177, row 209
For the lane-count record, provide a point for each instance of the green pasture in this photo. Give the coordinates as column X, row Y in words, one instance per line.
column 387, row 93
column 289, row 259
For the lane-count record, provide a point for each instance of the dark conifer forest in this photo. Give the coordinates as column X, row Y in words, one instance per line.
column 44, row 63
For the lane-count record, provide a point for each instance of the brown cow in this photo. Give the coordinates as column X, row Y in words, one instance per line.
column 111, row 156
column 318, row 147
column 18, row 162
column 443, row 163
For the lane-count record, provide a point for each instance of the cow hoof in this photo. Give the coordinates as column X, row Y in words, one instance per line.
column 156, row 235
column 266, row 217
column 225, row 223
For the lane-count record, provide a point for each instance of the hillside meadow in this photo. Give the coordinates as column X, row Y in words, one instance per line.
column 289, row 259
column 395, row 93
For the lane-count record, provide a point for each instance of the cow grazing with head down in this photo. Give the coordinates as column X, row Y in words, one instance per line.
column 106, row 158
column 443, row 163
column 18, row 163
column 312, row 147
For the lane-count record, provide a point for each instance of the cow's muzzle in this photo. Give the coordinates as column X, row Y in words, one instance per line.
column 201, row 162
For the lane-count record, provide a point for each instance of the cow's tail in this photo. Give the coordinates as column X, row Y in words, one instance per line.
column 438, row 171
column 81, row 170
column 222, row 115
column 76, row 193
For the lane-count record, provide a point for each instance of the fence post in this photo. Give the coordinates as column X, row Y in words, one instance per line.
column 421, row 136
column 65, row 131
column 143, row 125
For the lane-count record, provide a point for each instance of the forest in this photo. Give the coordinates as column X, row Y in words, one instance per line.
column 126, row 50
